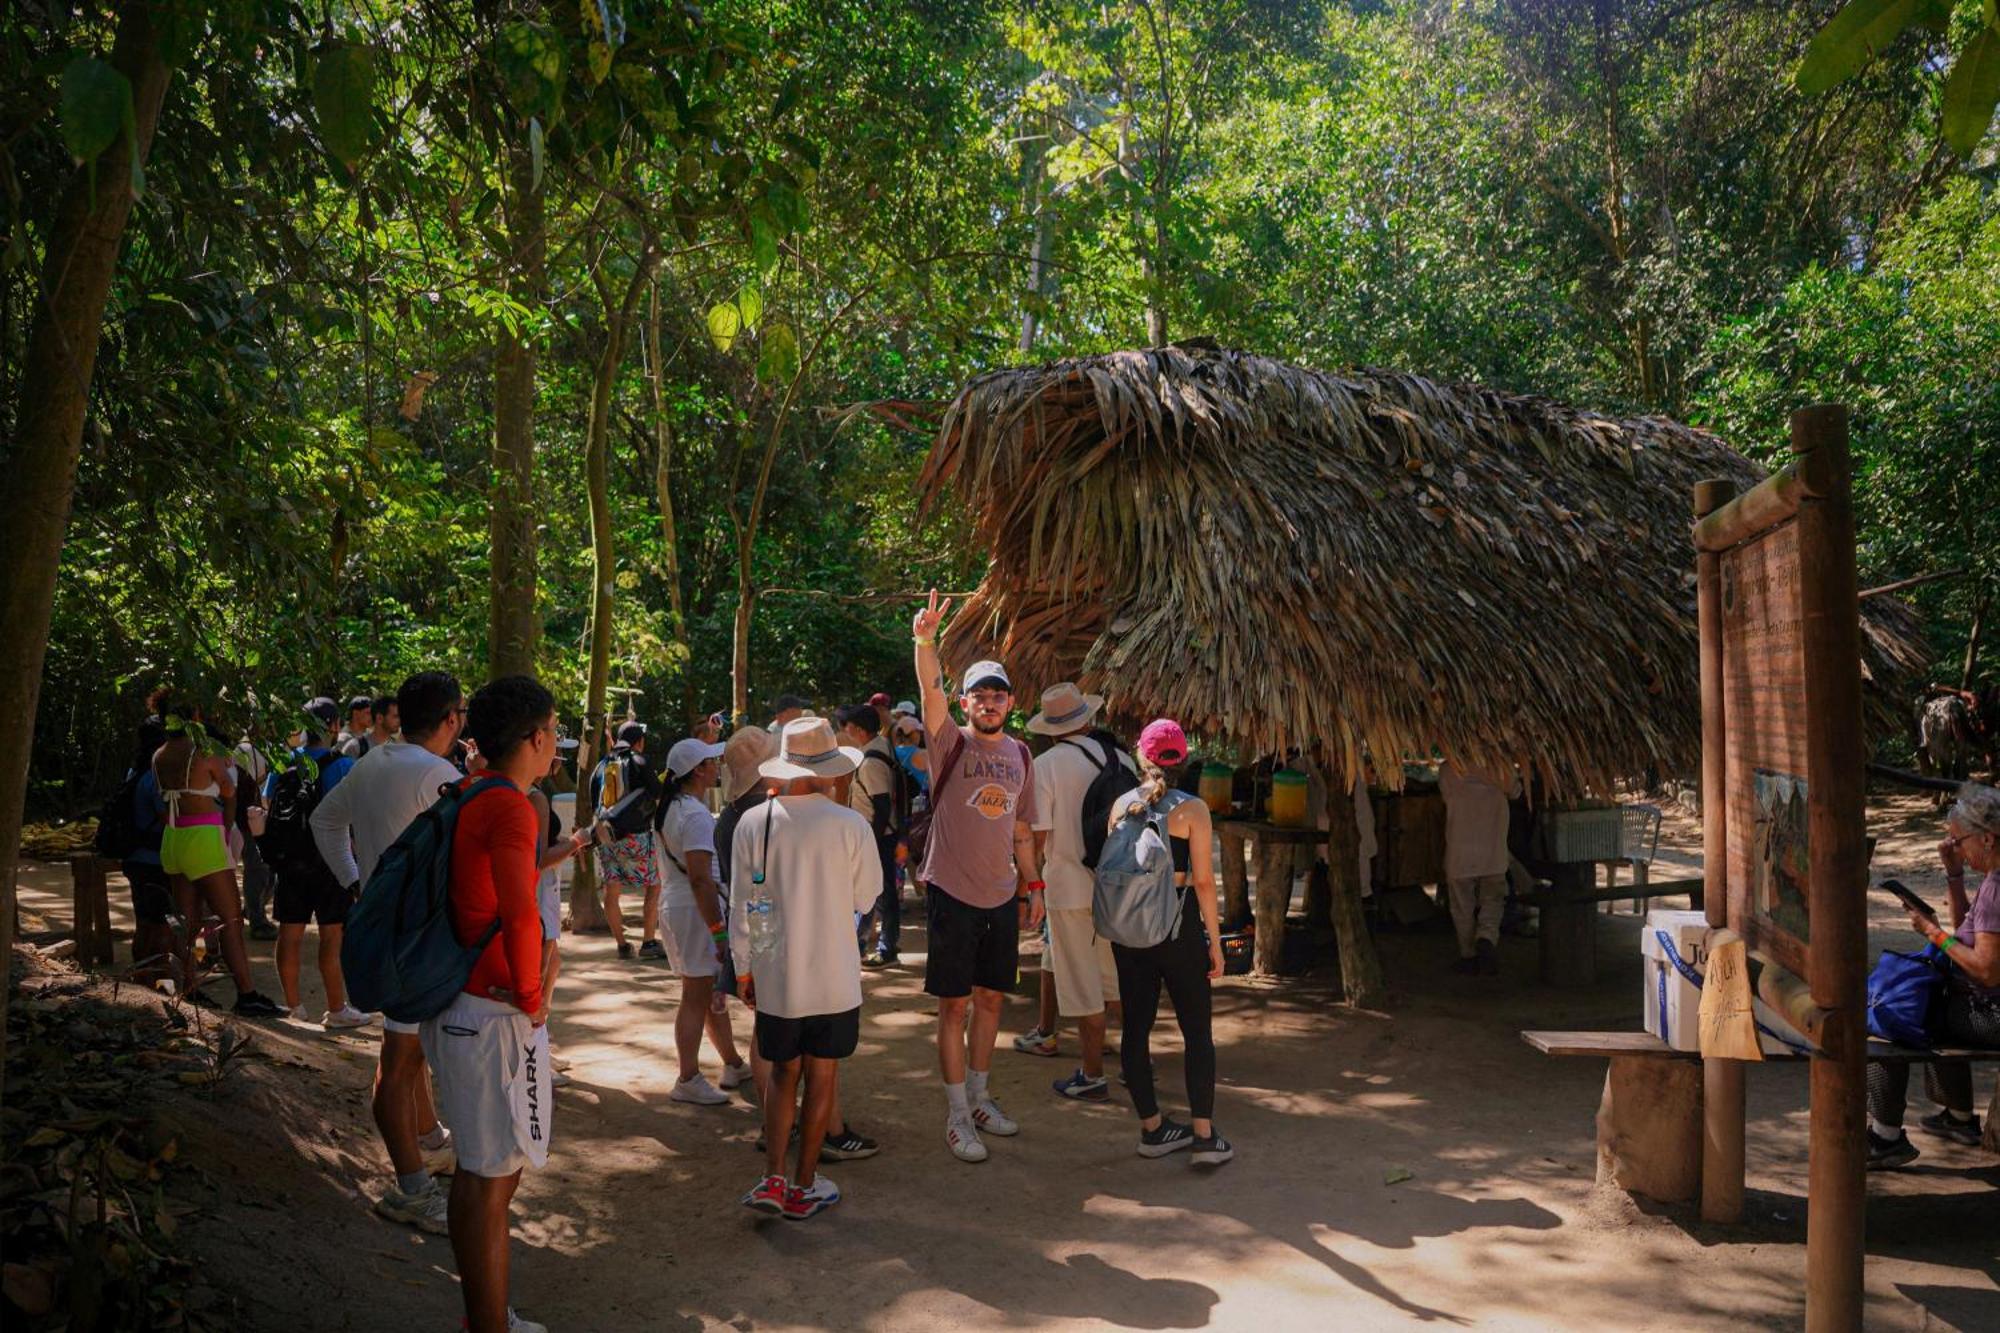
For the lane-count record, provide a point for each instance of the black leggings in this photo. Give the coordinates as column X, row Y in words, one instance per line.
column 1181, row 961
column 1969, row 1020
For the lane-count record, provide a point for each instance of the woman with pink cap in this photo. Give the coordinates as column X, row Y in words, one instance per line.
column 1183, row 962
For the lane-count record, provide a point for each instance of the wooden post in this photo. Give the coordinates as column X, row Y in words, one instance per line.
column 1569, row 929
column 90, row 909
column 1722, row 1107
column 1838, row 858
column 1274, row 897
column 1235, row 881
column 1648, row 1135
column 1360, row 969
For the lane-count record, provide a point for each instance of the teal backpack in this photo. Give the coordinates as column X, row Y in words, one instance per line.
column 1136, row 902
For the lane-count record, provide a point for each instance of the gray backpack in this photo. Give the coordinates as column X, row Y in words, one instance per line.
column 1136, row 902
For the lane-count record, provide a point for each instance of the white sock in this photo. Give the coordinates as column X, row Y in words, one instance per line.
column 1883, row 1131
column 436, row 1136
column 955, row 1094
column 975, row 1084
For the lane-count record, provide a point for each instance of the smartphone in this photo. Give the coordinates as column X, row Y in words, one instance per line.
column 1909, row 899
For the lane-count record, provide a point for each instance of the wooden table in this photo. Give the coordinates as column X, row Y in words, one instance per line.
column 1274, row 881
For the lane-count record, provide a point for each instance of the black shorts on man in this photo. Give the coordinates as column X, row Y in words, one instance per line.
column 152, row 892
column 970, row 946
column 822, row 1036
column 298, row 899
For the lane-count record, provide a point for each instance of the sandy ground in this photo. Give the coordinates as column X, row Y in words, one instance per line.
column 635, row 1225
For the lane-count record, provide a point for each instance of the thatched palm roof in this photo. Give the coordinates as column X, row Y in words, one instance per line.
column 1275, row 555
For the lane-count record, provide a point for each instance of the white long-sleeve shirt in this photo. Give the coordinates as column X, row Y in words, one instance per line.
column 1475, row 823
column 823, row 868
column 369, row 809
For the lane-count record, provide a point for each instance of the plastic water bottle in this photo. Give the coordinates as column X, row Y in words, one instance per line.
column 762, row 912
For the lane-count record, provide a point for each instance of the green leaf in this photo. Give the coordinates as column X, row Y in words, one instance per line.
column 537, row 153
column 1853, row 37
column 1970, row 92
column 343, row 99
column 749, row 304
column 778, row 360
column 96, row 100
column 724, row 323
column 789, row 206
column 763, row 241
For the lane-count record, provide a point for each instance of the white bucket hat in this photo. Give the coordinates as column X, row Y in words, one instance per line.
column 807, row 749
column 1064, row 709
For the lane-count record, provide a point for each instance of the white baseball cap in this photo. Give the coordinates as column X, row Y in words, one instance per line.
column 689, row 754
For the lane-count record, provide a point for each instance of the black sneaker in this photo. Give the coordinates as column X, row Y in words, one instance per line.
column 847, row 1146
column 1948, row 1126
column 1888, row 1154
column 1081, row 1087
column 1213, row 1150
column 254, row 1004
column 624, row 948
column 1171, row 1136
column 263, row 930
column 652, row 949
column 1488, row 959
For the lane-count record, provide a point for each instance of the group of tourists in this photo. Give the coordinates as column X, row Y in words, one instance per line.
column 782, row 900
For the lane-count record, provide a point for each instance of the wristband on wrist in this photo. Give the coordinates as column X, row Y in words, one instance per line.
column 1032, row 886
column 720, row 932
column 931, row 642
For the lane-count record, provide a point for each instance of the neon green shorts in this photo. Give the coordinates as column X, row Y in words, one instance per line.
column 193, row 850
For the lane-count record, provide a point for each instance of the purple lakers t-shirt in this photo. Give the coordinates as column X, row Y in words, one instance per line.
column 990, row 785
column 1983, row 919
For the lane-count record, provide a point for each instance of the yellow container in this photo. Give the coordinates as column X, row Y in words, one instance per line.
column 1288, row 799
column 1218, row 788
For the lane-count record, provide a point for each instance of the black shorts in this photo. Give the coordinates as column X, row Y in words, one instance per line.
column 970, row 946
column 299, row 898
column 152, row 892
column 822, row 1036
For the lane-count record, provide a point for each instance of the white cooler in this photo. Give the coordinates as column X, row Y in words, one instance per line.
column 1672, row 1003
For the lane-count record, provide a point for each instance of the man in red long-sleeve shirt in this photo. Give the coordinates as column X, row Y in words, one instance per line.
column 488, row 1049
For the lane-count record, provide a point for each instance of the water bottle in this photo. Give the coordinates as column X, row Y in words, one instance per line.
column 762, row 912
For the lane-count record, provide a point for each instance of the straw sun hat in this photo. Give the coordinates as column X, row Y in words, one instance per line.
column 807, row 749
column 1064, row 709
column 747, row 748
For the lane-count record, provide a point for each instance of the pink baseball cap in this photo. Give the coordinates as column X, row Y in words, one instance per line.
column 1163, row 742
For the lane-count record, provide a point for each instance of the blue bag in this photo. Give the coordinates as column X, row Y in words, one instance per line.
column 400, row 954
column 1906, row 997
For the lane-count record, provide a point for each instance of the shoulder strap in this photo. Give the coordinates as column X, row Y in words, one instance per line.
column 1074, row 744
column 950, row 758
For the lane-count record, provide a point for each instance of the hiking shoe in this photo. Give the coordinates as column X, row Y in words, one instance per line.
column 1081, row 1087
column 847, row 1146
column 347, row 1016
column 963, row 1140
column 624, row 949
column 426, row 1209
column 255, row 1004
column 1888, row 1154
column 1488, row 958
column 699, row 1091
column 989, row 1117
column 736, row 1075
column 768, row 1196
column 801, row 1203
column 1171, row 1136
column 1033, row 1042
column 1213, row 1150
column 516, row 1324
column 1948, row 1126
column 654, row 951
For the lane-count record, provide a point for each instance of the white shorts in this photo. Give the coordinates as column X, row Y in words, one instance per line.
column 1085, row 970
column 548, row 897
column 490, row 1066
column 690, row 946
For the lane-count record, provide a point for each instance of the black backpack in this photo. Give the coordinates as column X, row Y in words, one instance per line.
column 899, row 789
column 287, row 841
column 118, row 832
column 1112, row 781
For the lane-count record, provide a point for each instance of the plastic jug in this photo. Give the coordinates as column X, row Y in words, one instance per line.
column 1218, row 782
column 1287, row 807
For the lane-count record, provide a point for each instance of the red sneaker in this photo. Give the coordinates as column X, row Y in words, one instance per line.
column 769, row 1196
column 816, row 1197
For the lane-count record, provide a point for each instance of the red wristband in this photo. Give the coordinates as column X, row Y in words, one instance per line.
column 1032, row 886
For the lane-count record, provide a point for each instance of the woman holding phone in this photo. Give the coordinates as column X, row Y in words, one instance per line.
column 1972, row 987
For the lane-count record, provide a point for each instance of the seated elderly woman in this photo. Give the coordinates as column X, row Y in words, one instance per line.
column 1972, row 990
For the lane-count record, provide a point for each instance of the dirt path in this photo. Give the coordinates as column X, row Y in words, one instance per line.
column 635, row 1225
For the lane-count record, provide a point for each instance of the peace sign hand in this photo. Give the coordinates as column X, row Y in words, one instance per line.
column 926, row 622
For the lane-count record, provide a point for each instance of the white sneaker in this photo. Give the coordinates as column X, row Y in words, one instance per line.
column 427, row 1209
column 989, row 1117
column 516, row 1324
column 736, row 1075
column 699, row 1091
column 443, row 1159
column 963, row 1140
column 298, row 1015
column 347, row 1016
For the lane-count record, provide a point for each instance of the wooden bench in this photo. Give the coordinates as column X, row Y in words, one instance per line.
column 1649, row 1121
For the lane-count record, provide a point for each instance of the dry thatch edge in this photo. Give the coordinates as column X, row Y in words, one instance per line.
column 1278, row 556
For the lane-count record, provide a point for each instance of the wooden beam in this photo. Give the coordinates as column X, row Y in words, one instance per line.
column 1771, row 502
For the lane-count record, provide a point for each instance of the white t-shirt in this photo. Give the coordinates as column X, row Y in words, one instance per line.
column 822, row 870
column 1475, row 824
column 685, row 826
column 1062, row 776
column 369, row 808
column 874, row 778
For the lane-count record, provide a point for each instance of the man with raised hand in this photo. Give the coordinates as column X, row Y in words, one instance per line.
column 981, row 871
column 356, row 822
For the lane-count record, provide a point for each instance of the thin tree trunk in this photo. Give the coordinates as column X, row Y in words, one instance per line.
column 513, row 629
column 663, row 468
column 1038, row 257
column 1360, row 968
column 55, row 374
column 1970, row 668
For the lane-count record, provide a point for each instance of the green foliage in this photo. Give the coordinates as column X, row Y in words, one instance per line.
column 1865, row 29
column 96, row 105
column 343, row 98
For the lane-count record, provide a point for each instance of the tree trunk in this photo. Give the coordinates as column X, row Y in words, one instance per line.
column 1038, row 256
column 663, row 467
column 55, row 374
column 513, row 629
column 1970, row 667
column 739, row 657
column 1360, row 969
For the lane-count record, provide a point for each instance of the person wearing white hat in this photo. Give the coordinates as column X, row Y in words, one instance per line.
column 694, row 921
column 804, row 866
column 1078, row 961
